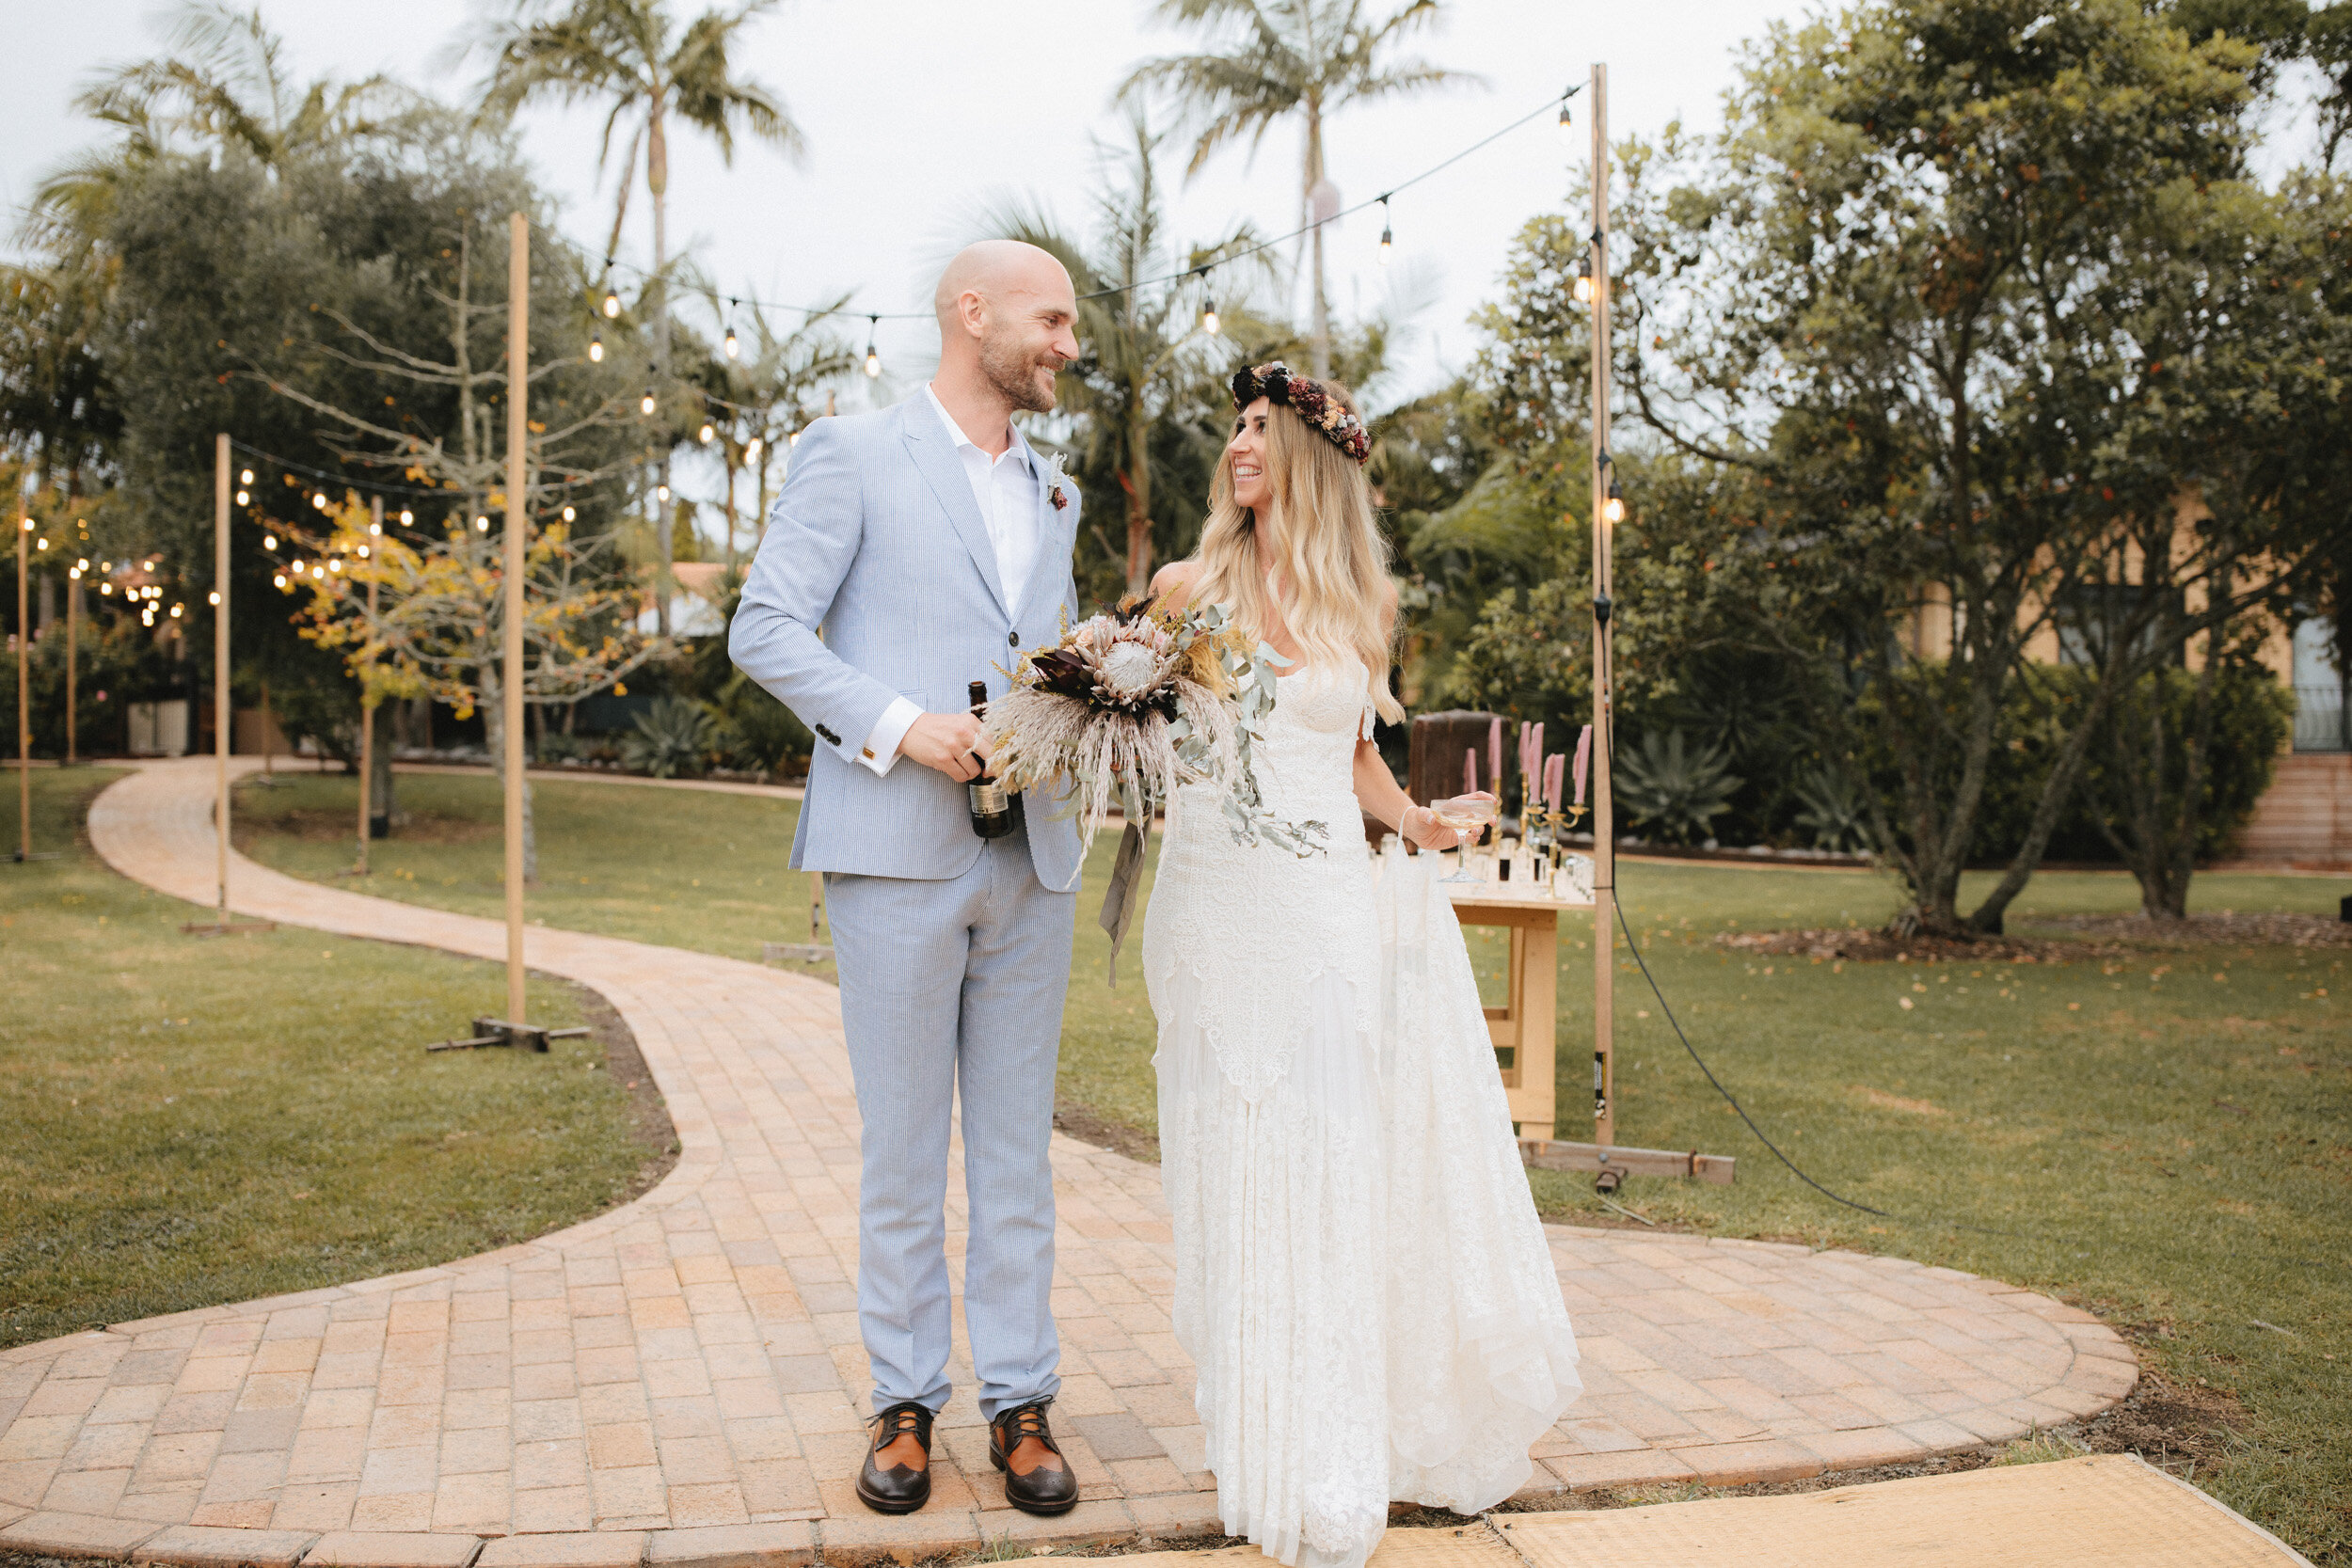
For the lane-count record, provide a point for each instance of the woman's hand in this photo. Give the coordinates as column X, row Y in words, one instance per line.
column 1421, row 827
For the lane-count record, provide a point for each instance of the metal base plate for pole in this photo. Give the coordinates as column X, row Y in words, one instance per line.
column 1613, row 1159
column 227, row 927
column 498, row 1031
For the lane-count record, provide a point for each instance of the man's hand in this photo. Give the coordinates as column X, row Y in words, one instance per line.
column 949, row 742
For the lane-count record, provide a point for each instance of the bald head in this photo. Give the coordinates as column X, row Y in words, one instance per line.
column 1008, row 322
column 995, row 270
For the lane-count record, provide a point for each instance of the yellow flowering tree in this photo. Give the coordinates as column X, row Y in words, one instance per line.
column 438, row 628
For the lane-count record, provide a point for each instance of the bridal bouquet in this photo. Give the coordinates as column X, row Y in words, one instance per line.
column 1130, row 706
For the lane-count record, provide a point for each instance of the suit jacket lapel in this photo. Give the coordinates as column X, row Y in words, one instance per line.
column 1057, row 532
column 935, row 458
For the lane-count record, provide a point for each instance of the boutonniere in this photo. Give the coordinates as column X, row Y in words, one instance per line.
column 1057, row 483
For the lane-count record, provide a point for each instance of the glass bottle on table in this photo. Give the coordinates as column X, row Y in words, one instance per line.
column 992, row 808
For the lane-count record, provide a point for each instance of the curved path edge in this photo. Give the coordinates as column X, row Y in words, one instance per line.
column 679, row 1383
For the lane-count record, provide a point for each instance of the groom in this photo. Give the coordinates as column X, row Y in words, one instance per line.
column 910, row 553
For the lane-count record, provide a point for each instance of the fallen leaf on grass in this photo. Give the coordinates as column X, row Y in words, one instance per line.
column 1897, row 1103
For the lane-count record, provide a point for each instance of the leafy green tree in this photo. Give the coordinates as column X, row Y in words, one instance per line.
column 1946, row 288
column 1268, row 60
column 633, row 55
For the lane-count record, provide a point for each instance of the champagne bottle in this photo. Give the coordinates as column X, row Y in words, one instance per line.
column 991, row 810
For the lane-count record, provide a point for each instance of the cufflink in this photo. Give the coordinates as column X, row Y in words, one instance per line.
column 830, row 738
column 869, row 753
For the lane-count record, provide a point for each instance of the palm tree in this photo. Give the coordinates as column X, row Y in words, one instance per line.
column 1273, row 59
column 631, row 55
column 1147, row 354
column 222, row 84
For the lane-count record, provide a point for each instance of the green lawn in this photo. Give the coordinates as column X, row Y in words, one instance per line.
column 2165, row 1135
column 187, row 1120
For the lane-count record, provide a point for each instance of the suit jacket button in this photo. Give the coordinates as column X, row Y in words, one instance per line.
column 1013, row 639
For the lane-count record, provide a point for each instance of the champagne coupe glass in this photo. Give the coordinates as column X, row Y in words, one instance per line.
column 1466, row 814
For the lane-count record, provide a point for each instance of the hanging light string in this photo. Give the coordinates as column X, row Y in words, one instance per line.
column 1558, row 102
column 610, row 304
column 326, row 477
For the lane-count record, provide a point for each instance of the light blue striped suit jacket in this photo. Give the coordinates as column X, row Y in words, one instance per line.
column 875, row 579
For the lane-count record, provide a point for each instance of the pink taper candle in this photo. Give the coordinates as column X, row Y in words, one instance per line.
column 1494, row 755
column 1554, row 765
column 1583, row 760
column 1469, row 771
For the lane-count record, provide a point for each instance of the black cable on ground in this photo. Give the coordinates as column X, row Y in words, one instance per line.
column 1794, row 1170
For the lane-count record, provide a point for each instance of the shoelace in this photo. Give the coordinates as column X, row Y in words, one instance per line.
column 893, row 1424
column 1025, row 1423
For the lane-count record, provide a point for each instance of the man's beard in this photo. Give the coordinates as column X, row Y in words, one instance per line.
column 1013, row 372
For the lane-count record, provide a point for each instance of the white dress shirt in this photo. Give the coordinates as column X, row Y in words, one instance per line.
column 1004, row 487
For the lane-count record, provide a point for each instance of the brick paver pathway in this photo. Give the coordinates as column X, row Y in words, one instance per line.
column 680, row 1381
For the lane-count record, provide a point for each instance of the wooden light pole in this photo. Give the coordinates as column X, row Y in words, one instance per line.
column 73, row 641
column 517, row 432
column 367, row 693
column 511, row 1030
column 220, row 662
column 24, row 689
column 1604, row 840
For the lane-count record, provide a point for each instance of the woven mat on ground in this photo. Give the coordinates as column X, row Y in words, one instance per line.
column 2102, row 1511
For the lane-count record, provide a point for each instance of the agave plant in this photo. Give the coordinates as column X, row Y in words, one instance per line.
column 1833, row 809
column 675, row 735
column 1673, row 787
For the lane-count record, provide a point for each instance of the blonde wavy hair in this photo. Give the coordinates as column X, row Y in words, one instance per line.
column 1330, row 558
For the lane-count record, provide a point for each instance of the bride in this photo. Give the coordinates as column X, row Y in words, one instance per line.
column 1360, row 1278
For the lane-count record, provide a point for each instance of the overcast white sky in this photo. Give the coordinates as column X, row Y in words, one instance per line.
column 915, row 110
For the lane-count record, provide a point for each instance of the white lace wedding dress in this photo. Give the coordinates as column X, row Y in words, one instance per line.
column 1360, row 1278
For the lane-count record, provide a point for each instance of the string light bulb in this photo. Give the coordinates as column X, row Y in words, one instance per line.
column 1209, row 324
column 375, row 530
column 482, row 525
column 406, row 516
column 213, row 598
column 644, row 405
column 1613, row 508
column 269, row 540
column 873, row 356
column 1387, row 240
column 1566, row 119
column 731, row 348
column 751, row 449
column 245, row 477
column 662, row 492
column 569, row 514
column 596, row 347
column 318, row 500
column 611, row 303
column 242, row 498
column 705, row 434
column 1584, row 280
column 279, row 580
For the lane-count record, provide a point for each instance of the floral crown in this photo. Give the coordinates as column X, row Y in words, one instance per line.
column 1309, row 401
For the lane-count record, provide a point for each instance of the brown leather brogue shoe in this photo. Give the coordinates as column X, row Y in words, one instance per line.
column 897, row 1487
column 1020, row 1436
